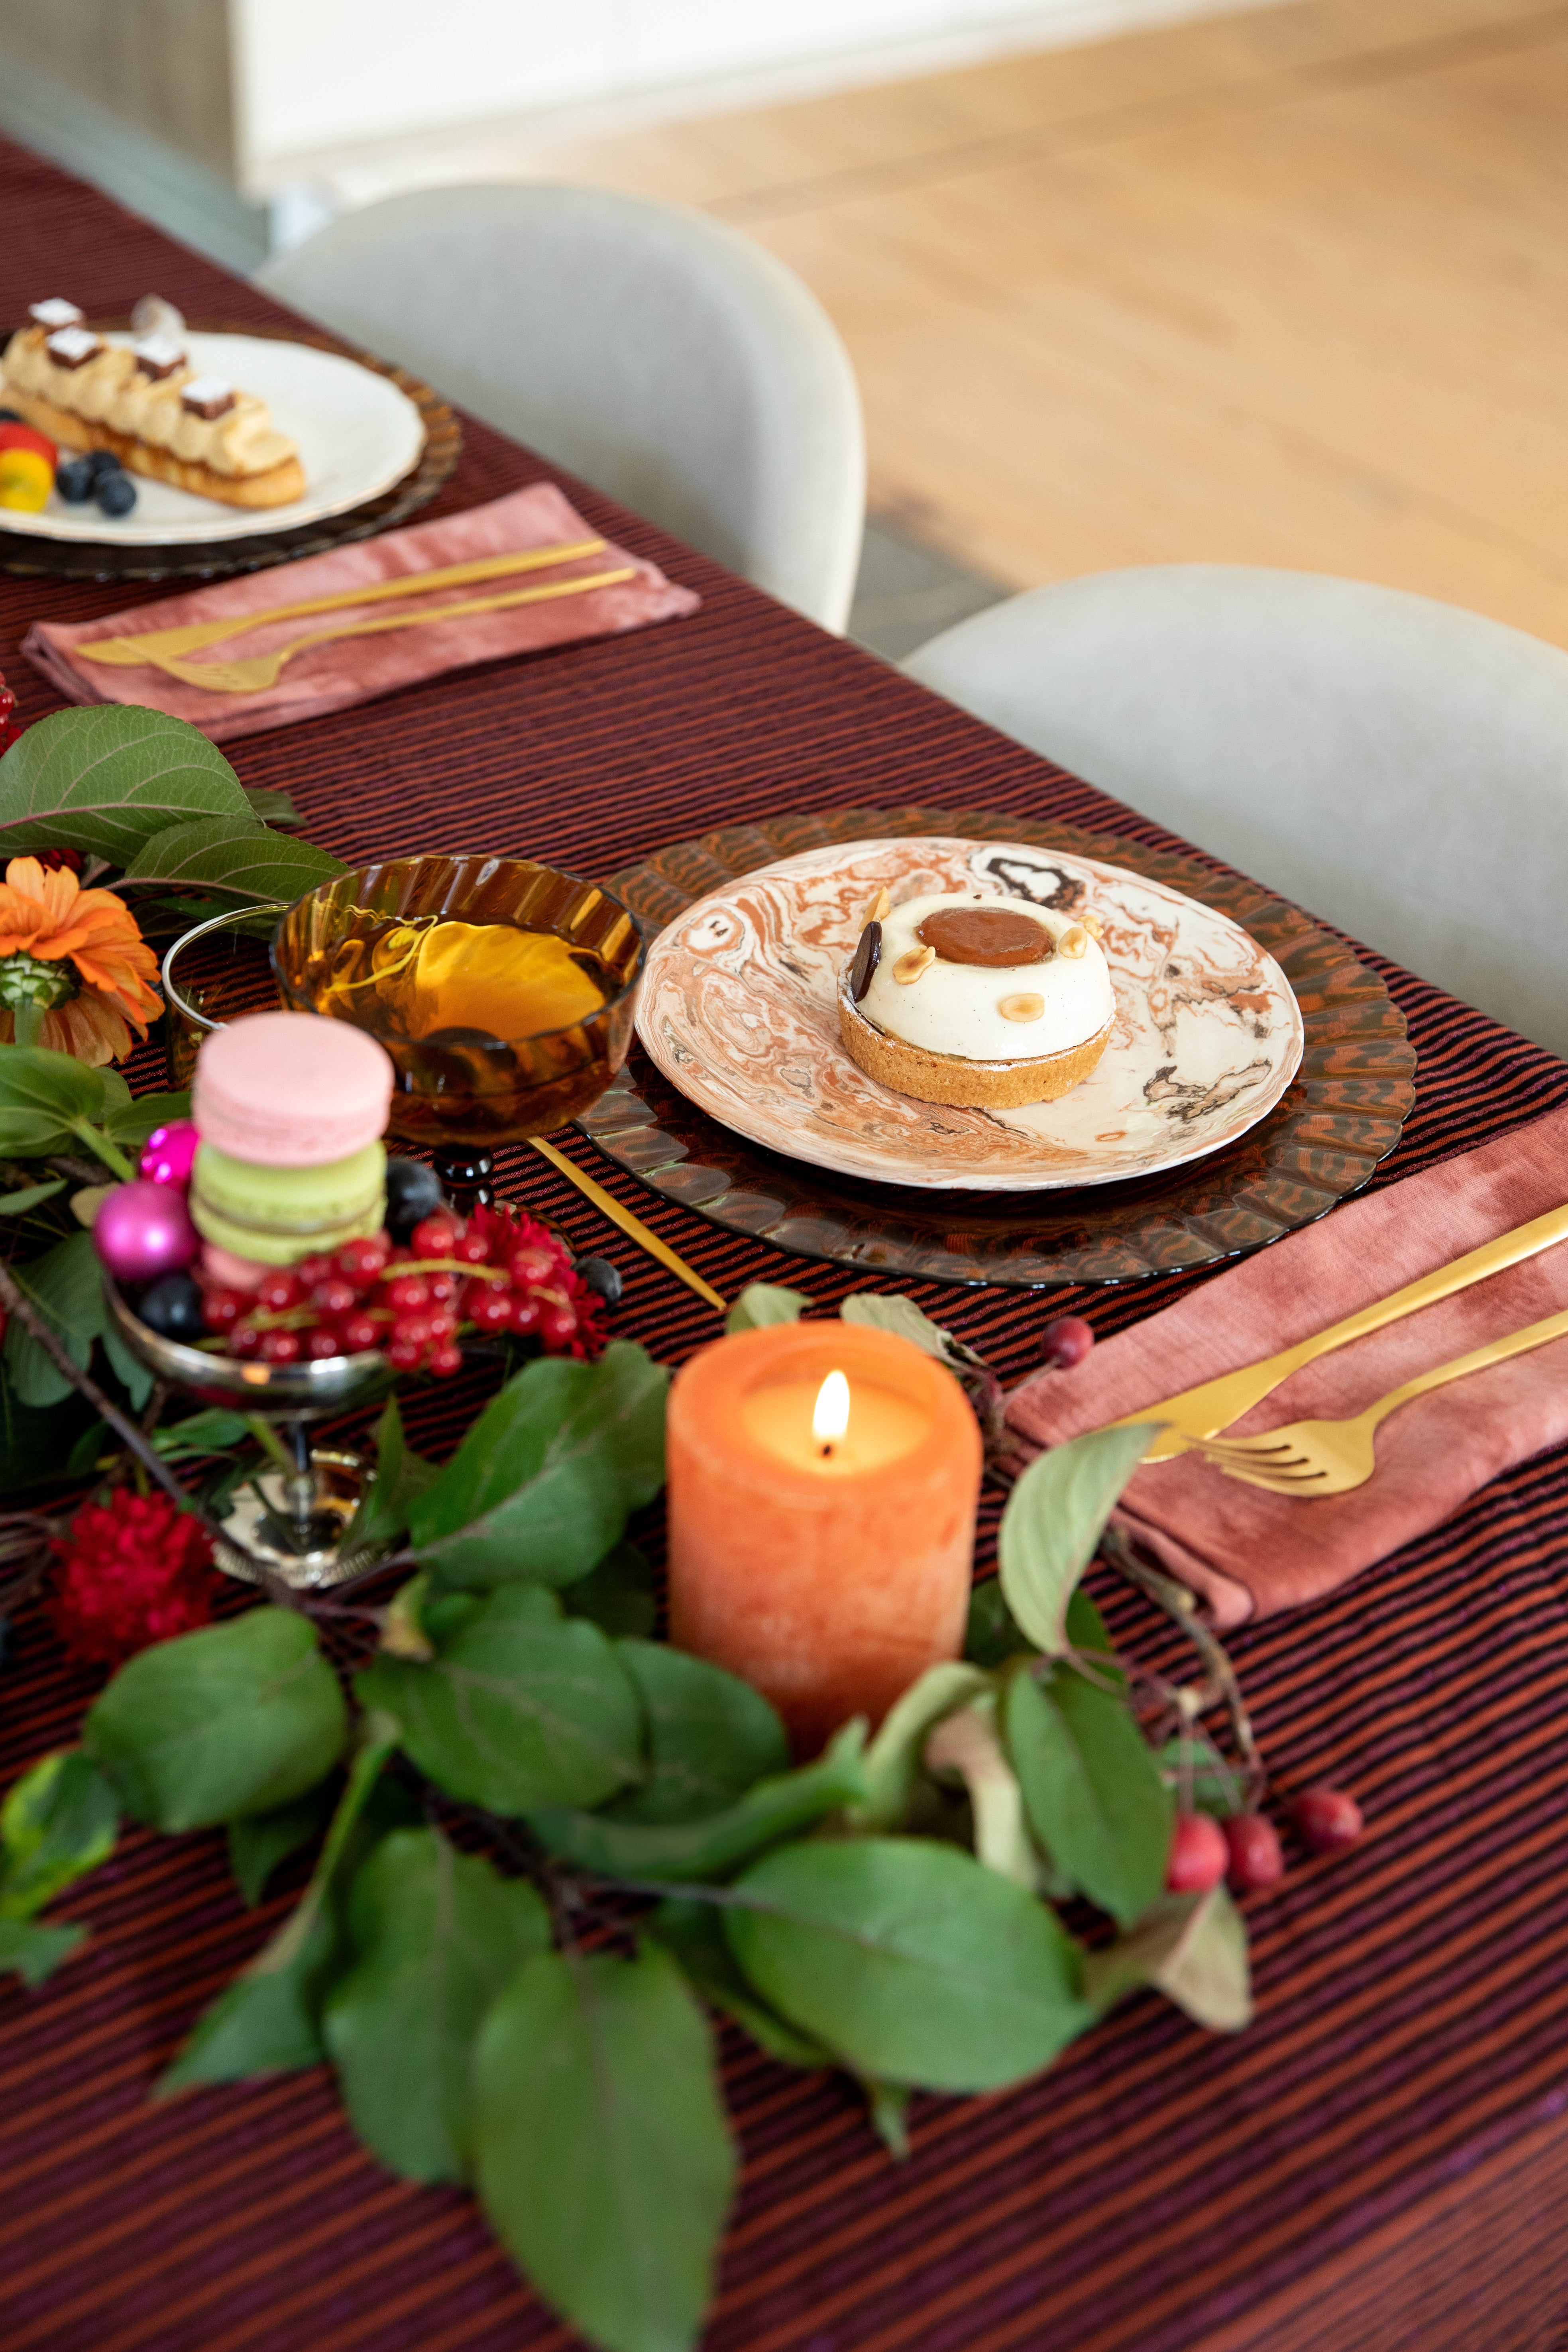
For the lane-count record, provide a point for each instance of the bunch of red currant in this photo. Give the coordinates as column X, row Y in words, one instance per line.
column 500, row 1272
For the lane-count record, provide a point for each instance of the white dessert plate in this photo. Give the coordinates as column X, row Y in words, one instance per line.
column 357, row 433
column 739, row 1010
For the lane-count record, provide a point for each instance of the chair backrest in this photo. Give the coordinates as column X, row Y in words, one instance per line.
column 1397, row 766
column 666, row 359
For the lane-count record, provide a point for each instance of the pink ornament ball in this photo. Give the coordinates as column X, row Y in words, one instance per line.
column 144, row 1230
column 170, row 1153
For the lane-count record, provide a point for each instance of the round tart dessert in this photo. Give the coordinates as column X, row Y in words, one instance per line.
column 985, row 1003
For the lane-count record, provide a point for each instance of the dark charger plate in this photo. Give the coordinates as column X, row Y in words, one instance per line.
column 1343, row 1112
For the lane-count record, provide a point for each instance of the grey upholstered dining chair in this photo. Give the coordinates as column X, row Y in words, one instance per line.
column 1397, row 766
column 667, row 359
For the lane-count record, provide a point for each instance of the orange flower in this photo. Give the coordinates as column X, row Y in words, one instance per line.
column 47, row 918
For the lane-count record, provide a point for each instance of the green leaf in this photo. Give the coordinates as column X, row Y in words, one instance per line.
column 897, row 1315
column 761, row 1304
column 990, row 1637
column 30, row 1196
column 259, row 1842
column 271, row 807
column 619, row 1594
column 543, row 1483
column 132, row 1373
column 39, row 1441
column 234, row 1719
column 710, row 1736
column 522, row 1708
column 887, row 2106
column 213, row 1431
column 1086, row 1630
column 435, row 1935
column 893, row 1760
column 916, row 1964
column 267, row 2019
column 1055, row 1516
column 1192, row 1949
column 43, row 1097
column 1193, row 1767
column 131, row 1123
column 604, row 2161
column 694, row 1932
column 1095, row 1796
column 401, row 1477
column 32, row 1952
column 235, row 854
column 103, row 780
column 772, row 1809
column 66, row 1283
column 966, row 1743
column 59, row 1822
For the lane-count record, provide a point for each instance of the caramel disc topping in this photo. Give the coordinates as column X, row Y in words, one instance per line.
column 993, row 936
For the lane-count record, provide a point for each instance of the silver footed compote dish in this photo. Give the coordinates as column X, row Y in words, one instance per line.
column 297, row 1517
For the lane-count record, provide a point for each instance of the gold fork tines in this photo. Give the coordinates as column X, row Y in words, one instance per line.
column 1309, row 1458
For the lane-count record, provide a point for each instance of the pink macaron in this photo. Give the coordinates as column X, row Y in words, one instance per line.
column 290, row 1091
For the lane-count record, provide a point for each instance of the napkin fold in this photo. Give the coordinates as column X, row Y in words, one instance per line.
column 356, row 669
column 1253, row 1554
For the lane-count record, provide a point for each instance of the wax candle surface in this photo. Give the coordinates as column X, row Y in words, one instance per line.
column 828, row 1573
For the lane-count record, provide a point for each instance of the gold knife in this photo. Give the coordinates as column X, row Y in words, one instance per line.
column 1205, row 1411
column 608, row 1204
column 129, row 652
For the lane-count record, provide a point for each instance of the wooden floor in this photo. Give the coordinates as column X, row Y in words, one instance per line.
column 1284, row 288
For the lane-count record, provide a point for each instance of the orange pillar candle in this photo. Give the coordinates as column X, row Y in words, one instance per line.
column 831, row 1565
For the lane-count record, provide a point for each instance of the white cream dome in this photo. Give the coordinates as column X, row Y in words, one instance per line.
column 955, row 1008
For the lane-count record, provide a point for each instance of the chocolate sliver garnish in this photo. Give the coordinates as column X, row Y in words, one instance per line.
column 867, row 955
column 209, row 397
column 992, row 936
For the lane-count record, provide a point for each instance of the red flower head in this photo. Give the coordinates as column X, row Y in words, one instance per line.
column 9, row 733
column 134, row 1569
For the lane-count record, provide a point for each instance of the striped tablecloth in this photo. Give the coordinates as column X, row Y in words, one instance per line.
column 1382, row 2162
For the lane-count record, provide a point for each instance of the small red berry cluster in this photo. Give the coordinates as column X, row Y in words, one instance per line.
column 496, row 1274
column 1247, row 1846
column 9, row 733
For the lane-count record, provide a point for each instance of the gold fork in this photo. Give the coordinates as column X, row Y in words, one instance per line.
column 131, row 652
column 1309, row 1458
column 1200, row 1413
column 251, row 675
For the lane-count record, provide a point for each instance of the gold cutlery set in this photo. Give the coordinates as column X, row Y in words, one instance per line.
column 1305, row 1459
column 166, row 649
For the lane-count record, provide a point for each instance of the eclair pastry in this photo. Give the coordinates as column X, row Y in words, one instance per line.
column 986, row 1002
column 145, row 402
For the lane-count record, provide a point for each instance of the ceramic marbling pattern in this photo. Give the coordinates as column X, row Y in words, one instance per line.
column 738, row 1010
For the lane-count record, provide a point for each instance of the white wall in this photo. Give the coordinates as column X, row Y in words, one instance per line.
column 317, row 76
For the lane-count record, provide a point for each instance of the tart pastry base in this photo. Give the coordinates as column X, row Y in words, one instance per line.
column 275, row 487
column 953, row 1078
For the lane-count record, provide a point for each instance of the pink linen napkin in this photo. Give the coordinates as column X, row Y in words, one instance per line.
column 356, row 669
column 1253, row 1554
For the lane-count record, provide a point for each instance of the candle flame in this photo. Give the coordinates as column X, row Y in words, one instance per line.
column 830, row 1414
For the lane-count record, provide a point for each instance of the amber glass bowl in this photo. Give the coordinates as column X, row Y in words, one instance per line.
column 466, row 1089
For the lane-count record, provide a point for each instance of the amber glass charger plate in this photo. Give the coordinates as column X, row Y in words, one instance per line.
column 1343, row 1113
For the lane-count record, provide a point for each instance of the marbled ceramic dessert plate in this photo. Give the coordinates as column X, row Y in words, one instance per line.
column 738, row 1012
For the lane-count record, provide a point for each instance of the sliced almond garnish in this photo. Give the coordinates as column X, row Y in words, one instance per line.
column 910, row 966
column 1074, row 941
column 1094, row 926
column 881, row 908
column 1021, row 1008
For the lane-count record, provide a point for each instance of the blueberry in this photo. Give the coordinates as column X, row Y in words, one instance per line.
column 116, row 493
column 172, row 1307
column 601, row 1275
column 100, row 462
column 413, row 1191
column 75, row 480
column 11, row 416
